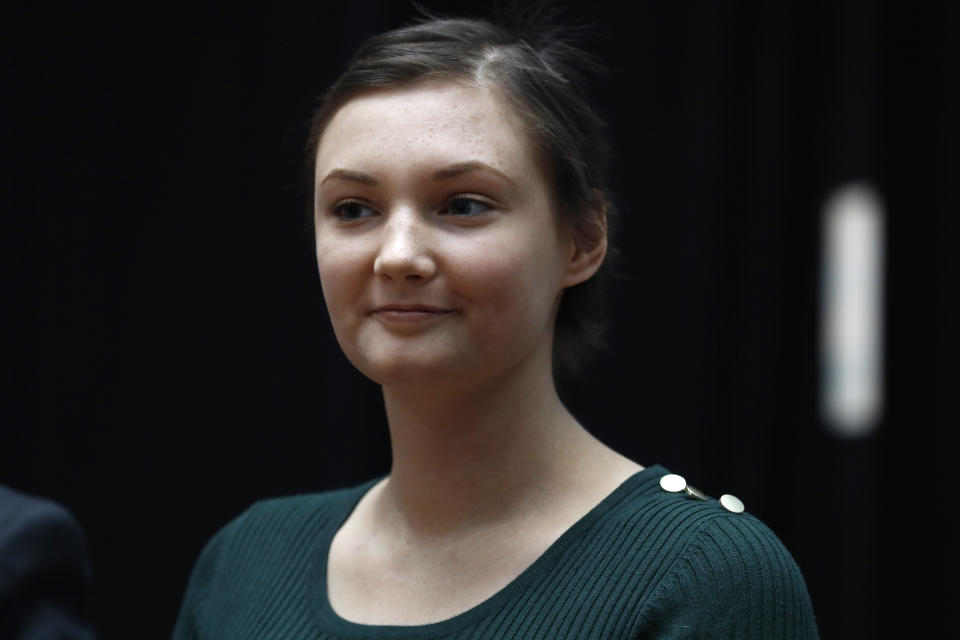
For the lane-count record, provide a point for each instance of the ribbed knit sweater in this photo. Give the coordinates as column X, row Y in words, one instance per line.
column 644, row 563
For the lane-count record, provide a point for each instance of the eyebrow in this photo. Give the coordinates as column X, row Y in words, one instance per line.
column 445, row 173
column 353, row 176
column 466, row 167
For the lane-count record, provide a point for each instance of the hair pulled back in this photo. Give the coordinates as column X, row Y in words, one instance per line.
column 542, row 77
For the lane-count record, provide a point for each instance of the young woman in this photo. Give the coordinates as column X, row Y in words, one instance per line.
column 461, row 221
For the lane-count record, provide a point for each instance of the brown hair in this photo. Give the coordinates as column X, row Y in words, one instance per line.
column 541, row 77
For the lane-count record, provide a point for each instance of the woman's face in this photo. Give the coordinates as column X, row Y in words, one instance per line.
column 439, row 253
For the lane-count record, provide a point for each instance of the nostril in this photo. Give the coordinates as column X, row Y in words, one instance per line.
column 405, row 253
column 407, row 268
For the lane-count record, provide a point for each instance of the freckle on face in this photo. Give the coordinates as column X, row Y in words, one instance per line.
column 502, row 276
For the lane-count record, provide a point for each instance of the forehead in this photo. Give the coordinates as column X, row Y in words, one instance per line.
column 428, row 122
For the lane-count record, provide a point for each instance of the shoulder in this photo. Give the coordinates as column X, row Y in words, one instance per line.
column 266, row 523
column 280, row 515
column 37, row 535
column 727, row 574
column 20, row 511
column 45, row 576
column 272, row 542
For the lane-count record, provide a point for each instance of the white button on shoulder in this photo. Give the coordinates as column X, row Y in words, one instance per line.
column 673, row 483
column 731, row 503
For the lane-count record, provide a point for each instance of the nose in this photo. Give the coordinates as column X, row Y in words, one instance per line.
column 404, row 253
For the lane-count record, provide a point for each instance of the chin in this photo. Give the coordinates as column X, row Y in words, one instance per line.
column 404, row 368
column 436, row 362
column 399, row 375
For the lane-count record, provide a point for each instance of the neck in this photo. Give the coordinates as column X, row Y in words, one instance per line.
column 467, row 457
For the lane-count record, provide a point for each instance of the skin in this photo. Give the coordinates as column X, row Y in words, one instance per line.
column 442, row 264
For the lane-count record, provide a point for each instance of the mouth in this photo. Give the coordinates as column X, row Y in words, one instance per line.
column 409, row 313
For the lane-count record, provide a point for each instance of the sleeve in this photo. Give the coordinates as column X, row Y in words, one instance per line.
column 736, row 580
column 45, row 577
column 190, row 620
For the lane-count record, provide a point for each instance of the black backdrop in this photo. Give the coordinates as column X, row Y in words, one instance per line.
column 166, row 358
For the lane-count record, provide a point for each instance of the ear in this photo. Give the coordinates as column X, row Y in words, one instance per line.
column 588, row 240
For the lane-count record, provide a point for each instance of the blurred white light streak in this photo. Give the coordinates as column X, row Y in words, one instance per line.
column 852, row 278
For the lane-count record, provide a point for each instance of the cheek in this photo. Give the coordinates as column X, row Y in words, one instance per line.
column 340, row 278
column 513, row 278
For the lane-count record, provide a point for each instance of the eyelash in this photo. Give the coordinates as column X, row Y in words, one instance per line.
column 447, row 208
column 340, row 209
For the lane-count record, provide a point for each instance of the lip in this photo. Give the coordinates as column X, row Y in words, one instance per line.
column 409, row 313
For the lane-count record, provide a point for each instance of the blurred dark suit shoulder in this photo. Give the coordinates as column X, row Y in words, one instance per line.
column 45, row 576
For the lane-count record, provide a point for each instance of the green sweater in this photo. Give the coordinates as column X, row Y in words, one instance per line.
column 644, row 563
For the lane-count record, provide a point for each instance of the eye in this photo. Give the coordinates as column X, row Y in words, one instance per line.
column 352, row 210
column 465, row 206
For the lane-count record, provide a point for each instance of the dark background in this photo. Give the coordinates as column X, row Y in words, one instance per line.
column 167, row 360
